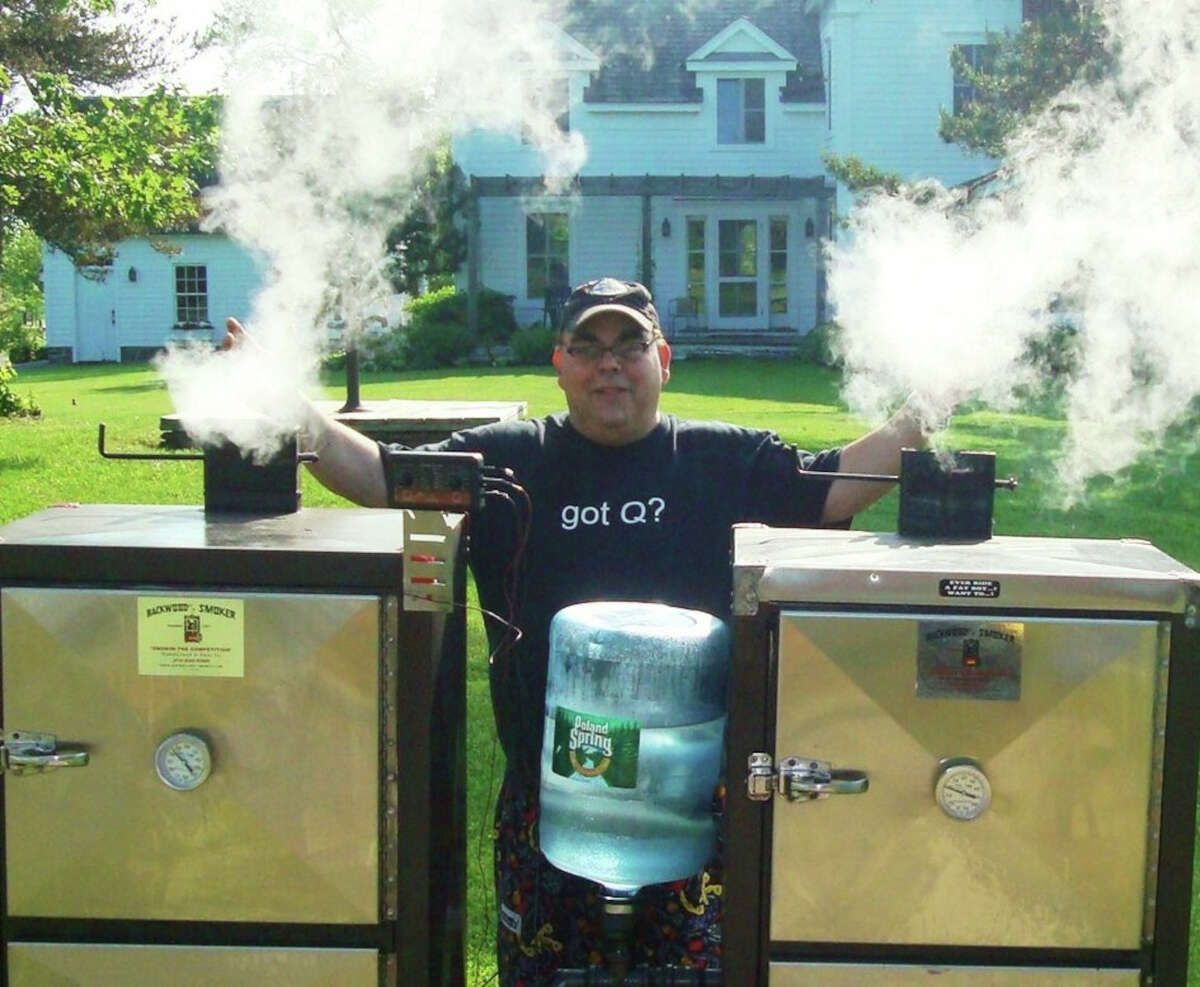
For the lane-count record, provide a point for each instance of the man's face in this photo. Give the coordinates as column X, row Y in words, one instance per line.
column 609, row 400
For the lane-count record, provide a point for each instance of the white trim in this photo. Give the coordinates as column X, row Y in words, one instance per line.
column 754, row 67
column 696, row 61
column 813, row 108
column 642, row 107
column 578, row 56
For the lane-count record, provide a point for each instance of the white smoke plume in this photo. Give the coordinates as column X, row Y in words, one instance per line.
column 332, row 109
column 1096, row 222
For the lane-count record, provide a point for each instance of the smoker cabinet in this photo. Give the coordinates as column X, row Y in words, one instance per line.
column 233, row 747
column 964, row 762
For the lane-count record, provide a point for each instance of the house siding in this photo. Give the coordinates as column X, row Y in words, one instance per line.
column 604, row 238
column 58, row 290
column 887, row 74
column 113, row 316
column 891, row 77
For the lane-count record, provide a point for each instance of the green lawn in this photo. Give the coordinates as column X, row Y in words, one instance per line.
column 54, row 459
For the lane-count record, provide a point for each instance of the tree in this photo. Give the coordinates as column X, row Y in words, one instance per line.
column 21, row 310
column 84, row 170
column 428, row 244
column 1061, row 42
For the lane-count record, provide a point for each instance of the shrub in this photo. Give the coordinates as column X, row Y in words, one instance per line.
column 23, row 340
column 497, row 322
column 441, row 305
column 22, row 310
column 532, row 345
column 11, row 404
column 385, row 351
column 446, row 304
column 438, row 344
column 819, row 346
column 438, row 335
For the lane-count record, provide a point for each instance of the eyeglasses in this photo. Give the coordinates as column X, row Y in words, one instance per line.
column 623, row 350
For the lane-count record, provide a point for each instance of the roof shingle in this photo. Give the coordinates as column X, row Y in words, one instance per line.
column 643, row 44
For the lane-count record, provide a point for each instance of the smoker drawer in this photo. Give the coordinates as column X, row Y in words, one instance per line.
column 37, row 964
column 1056, row 715
column 891, row 975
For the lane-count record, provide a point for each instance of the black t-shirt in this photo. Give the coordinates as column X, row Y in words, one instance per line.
column 649, row 521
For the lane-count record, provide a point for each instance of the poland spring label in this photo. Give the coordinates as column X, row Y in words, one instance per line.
column 596, row 748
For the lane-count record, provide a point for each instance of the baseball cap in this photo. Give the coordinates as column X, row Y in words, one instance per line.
column 627, row 298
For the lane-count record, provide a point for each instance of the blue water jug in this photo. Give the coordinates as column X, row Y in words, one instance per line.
column 632, row 748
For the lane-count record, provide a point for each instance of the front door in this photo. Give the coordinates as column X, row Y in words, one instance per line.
column 737, row 303
column 96, row 315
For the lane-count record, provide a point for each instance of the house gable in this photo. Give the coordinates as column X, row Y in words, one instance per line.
column 741, row 47
column 645, row 48
column 572, row 55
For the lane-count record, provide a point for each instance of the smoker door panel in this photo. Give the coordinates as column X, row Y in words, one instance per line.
column 857, row 975
column 286, row 827
column 1059, row 858
column 35, row 964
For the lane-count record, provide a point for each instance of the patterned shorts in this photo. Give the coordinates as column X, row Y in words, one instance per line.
column 549, row 919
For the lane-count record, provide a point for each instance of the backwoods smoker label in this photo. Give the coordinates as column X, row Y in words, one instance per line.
column 191, row 636
column 969, row 659
column 596, row 748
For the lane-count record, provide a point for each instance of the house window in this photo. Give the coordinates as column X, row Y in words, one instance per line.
column 779, row 264
column 977, row 57
column 191, row 293
column 695, row 263
column 737, row 267
column 741, row 111
column 545, row 253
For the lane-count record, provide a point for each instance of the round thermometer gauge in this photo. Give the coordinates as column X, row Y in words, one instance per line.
column 962, row 790
column 183, row 761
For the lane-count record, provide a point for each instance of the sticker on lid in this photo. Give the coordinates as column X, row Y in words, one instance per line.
column 191, row 636
column 595, row 749
column 978, row 589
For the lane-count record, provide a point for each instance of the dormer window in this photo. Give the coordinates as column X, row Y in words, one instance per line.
column 741, row 111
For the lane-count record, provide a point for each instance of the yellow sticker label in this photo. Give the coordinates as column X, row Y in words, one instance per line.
column 201, row 636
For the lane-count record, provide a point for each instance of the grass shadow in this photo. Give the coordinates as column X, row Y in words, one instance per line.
column 150, row 385
column 24, row 463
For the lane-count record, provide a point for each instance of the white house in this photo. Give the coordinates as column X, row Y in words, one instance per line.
column 704, row 177
column 147, row 297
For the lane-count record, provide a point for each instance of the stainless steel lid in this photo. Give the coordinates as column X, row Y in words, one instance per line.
column 782, row 565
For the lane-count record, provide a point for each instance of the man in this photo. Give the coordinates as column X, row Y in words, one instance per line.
column 626, row 503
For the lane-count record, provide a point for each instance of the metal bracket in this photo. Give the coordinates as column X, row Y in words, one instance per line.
column 430, row 543
column 760, row 782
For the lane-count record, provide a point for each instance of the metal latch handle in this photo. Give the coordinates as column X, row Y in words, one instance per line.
column 801, row 779
column 25, row 752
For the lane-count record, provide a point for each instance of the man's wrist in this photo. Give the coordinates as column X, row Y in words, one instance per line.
column 314, row 427
column 919, row 422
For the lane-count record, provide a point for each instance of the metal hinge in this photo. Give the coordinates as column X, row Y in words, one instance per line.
column 800, row 779
column 24, row 752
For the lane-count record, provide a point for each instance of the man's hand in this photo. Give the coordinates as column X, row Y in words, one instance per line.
column 348, row 462
column 235, row 335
